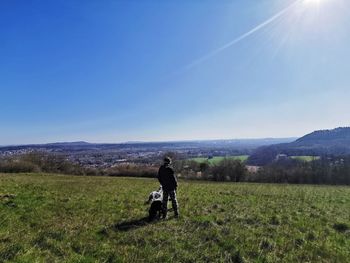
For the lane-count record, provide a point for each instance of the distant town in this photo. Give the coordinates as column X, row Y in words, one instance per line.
column 108, row 155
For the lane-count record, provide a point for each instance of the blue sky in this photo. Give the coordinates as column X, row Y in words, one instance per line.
column 112, row 71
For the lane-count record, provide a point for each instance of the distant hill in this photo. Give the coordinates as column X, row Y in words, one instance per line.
column 80, row 143
column 338, row 136
column 245, row 145
column 322, row 142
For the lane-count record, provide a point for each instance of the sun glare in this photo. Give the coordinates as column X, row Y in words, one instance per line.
column 313, row 2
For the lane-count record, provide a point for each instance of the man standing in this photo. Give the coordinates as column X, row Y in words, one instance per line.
column 167, row 179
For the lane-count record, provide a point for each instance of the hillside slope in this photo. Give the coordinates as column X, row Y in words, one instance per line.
column 322, row 142
column 53, row 218
column 335, row 137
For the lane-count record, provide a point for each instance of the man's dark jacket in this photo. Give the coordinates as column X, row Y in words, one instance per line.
column 167, row 178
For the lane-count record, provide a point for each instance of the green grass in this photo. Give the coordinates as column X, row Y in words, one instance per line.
column 306, row 158
column 51, row 218
column 217, row 159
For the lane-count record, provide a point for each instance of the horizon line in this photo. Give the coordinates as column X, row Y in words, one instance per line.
column 151, row 141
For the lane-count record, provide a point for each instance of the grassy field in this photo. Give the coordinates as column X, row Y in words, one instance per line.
column 51, row 218
column 306, row 158
column 217, row 159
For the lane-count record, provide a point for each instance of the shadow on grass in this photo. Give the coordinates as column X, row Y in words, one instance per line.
column 133, row 224
column 137, row 223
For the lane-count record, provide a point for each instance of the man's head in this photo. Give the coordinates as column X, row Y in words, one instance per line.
column 167, row 160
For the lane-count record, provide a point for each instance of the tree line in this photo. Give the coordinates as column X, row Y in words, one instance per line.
column 331, row 170
column 37, row 162
column 326, row 170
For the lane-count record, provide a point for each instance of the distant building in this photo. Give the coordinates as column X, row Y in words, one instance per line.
column 252, row 168
column 281, row 156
